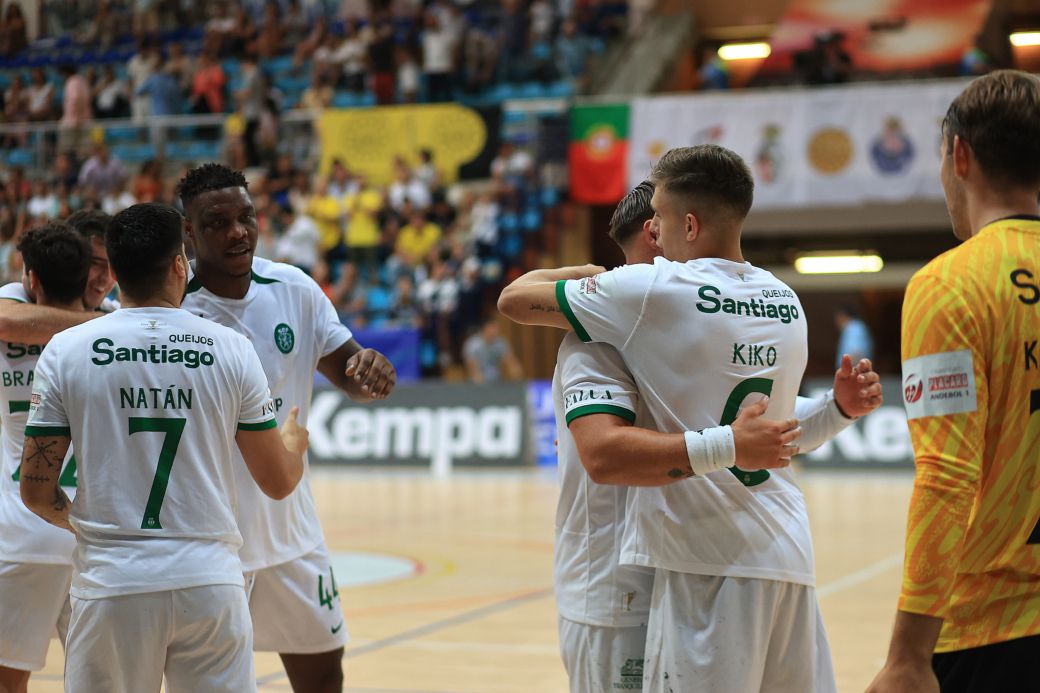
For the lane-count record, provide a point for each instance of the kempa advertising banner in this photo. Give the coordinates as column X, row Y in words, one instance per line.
column 880, row 440
column 439, row 425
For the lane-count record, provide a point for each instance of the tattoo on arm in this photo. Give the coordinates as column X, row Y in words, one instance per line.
column 41, row 461
column 681, row 473
column 539, row 308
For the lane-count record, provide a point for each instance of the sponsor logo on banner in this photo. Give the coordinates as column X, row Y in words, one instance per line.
column 946, row 384
column 830, row 151
column 892, row 151
column 442, row 424
column 769, row 157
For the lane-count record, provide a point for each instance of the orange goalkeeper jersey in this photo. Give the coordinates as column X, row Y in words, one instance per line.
column 971, row 385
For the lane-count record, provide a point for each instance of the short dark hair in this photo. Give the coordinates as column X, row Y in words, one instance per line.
column 142, row 239
column 91, row 223
column 714, row 178
column 630, row 214
column 59, row 257
column 207, row 178
column 998, row 116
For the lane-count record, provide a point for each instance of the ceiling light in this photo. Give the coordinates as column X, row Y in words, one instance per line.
column 844, row 263
column 744, row 51
column 1025, row 38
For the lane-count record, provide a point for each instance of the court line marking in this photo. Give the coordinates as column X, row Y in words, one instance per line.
column 860, row 576
column 427, row 629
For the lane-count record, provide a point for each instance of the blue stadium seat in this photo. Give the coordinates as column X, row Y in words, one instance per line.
column 509, row 222
column 18, row 157
column 134, row 153
column 549, row 197
column 532, row 219
column 560, row 90
column 120, row 134
column 379, row 299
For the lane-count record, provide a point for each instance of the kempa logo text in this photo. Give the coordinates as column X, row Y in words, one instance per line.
column 438, row 434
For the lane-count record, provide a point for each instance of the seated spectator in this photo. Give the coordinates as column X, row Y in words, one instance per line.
column 75, row 109
column 271, row 33
column 295, row 24
column 342, row 183
column 102, row 29
column 416, row 239
column 117, row 199
column 382, row 61
column 147, row 184
column 328, row 213
column 220, row 27
column 65, row 172
column 207, row 86
column 409, row 80
column 41, row 96
column 102, row 172
column 318, row 96
column 325, row 59
column 43, row 205
column 16, row 110
column 351, row 297
column 405, row 188
column 714, row 72
column 13, row 38
column 572, row 51
column 438, row 47
column 364, row 235
column 479, row 58
column 111, row 95
column 241, row 40
column 426, row 171
column 181, row 66
column 405, row 310
column 314, row 40
column 438, row 295
column 163, row 92
column 145, row 17
column 488, row 357
column 299, row 243
column 139, row 68
column 351, row 56
column 280, row 179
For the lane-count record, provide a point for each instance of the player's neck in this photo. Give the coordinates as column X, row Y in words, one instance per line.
column 989, row 206
column 221, row 284
column 76, row 305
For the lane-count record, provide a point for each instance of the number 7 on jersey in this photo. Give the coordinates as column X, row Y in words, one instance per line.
column 172, row 428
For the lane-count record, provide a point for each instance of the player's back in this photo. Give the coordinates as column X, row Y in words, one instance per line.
column 152, row 398
column 700, row 338
column 991, row 284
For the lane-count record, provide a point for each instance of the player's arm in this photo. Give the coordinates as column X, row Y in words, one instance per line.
column 42, row 456
column 274, row 456
column 940, row 335
column 856, row 393
column 531, row 299
column 613, row 451
column 363, row 374
column 28, row 323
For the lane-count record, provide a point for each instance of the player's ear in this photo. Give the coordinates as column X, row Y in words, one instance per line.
column 32, row 284
column 647, row 235
column 693, row 226
column 189, row 230
column 963, row 158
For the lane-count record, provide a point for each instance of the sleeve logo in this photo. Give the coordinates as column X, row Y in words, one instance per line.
column 940, row 384
column 587, row 285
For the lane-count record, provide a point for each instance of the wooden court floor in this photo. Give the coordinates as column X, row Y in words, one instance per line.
column 467, row 607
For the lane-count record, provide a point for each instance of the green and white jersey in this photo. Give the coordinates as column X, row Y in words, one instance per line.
column 24, row 536
column 700, row 338
column 591, row 587
column 152, row 398
column 292, row 325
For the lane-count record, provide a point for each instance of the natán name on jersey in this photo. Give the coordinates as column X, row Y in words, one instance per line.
column 107, row 352
column 754, row 307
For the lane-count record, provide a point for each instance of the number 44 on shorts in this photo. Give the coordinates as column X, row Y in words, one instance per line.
column 324, row 596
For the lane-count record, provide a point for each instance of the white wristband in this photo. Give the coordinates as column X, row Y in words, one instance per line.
column 710, row 450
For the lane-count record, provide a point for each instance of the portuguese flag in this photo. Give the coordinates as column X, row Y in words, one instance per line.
column 599, row 153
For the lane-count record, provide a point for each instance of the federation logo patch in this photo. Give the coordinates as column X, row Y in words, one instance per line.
column 913, row 388
column 940, row 384
column 587, row 285
column 284, row 338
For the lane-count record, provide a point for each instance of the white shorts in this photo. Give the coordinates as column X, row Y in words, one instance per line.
column 714, row 634
column 199, row 637
column 295, row 606
column 34, row 607
column 598, row 658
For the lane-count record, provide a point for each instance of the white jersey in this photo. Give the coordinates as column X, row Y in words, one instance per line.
column 701, row 337
column 292, row 325
column 591, row 587
column 24, row 536
column 152, row 398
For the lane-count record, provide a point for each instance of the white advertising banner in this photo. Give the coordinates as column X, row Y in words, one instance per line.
column 831, row 146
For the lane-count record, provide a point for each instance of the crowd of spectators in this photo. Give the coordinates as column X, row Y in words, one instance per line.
column 414, row 254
